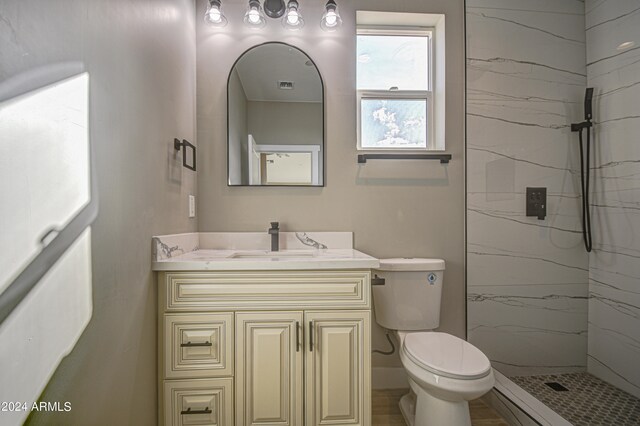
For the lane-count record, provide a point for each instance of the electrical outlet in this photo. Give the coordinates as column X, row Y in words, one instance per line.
column 192, row 206
column 537, row 202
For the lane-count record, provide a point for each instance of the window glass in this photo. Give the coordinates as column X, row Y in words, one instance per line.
column 386, row 61
column 391, row 123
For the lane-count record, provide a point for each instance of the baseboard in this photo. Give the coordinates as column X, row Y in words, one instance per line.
column 389, row 378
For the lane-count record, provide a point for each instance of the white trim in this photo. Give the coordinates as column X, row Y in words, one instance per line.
column 399, row 19
column 251, row 151
column 287, row 148
column 395, row 30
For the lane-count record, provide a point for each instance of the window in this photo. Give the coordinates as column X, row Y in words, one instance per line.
column 395, row 88
column 401, row 81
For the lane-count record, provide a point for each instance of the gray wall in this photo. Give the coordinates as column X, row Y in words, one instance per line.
column 527, row 278
column 301, row 122
column 141, row 59
column 614, row 264
column 395, row 208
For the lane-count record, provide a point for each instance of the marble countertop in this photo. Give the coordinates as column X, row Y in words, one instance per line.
column 243, row 252
column 251, row 260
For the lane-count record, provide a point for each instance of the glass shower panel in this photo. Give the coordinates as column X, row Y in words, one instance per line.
column 550, row 316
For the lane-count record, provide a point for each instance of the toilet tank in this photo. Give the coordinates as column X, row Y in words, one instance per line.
column 410, row 295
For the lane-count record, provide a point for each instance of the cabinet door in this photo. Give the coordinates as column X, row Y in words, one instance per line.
column 338, row 361
column 198, row 402
column 269, row 350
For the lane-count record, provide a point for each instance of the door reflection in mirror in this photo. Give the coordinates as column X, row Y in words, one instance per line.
column 275, row 119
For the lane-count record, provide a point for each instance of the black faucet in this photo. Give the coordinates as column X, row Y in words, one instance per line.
column 274, row 231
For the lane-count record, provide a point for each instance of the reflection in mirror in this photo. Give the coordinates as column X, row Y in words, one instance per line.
column 275, row 118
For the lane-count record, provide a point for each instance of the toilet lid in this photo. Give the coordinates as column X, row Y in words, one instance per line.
column 446, row 355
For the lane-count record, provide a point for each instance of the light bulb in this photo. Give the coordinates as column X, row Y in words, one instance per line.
column 254, row 17
column 331, row 20
column 214, row 16
column 293, row 19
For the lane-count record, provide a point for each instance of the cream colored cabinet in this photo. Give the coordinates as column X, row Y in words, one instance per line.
column 338, row 368
column 265, row 348
column 198, row 345
column 269, row 368
column 199, row 402
column 270, row 349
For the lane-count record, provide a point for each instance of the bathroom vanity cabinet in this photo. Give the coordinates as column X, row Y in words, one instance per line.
column 265, row 347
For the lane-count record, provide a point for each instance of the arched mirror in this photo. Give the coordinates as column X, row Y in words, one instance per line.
column 275, row 121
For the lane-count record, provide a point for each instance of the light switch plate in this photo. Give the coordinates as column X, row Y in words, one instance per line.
column 192, row 206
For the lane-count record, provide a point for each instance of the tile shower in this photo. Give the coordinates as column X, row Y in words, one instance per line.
column 538, row 303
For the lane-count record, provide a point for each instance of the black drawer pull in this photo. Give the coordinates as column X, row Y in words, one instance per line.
column 190, row 411
column 195, row 345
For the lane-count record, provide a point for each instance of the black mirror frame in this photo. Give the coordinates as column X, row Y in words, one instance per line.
column 324, row 121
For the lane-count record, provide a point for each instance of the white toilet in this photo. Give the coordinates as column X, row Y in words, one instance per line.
column 445, row 372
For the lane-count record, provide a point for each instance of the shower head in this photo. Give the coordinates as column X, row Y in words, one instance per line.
column 588, row 101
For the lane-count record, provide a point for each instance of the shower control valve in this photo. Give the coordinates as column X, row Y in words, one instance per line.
column 537, row 202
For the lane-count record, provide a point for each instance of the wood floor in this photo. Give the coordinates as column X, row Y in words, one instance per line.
column 386, row 411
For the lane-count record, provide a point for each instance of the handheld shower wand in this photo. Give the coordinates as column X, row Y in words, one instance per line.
column 584, row 166
column 588, row 104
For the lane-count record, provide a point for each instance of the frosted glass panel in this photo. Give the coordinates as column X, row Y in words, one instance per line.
column 44, row 168
column 45, row 184
column 393, row 123
column 392, row 61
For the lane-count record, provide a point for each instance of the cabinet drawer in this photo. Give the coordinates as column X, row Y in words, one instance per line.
column 255, row 290
column 198, row 402
column 198, row 345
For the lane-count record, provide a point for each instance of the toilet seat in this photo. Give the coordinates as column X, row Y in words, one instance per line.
column 446, row 355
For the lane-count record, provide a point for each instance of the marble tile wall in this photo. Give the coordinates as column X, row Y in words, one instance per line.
column 613, row 70
column 527, row 278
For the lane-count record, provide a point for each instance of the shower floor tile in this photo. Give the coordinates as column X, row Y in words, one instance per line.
column 585, row 399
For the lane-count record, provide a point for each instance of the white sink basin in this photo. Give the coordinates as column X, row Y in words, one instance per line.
column 273, row 254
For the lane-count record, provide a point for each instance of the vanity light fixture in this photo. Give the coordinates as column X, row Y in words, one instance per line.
column 292, row 18
column 254, row 18
column 331, row 20
column 214, row 16
column 274, row 8
column 257, row 13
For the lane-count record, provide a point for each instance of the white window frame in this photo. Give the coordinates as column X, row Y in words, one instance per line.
column 427, row 95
